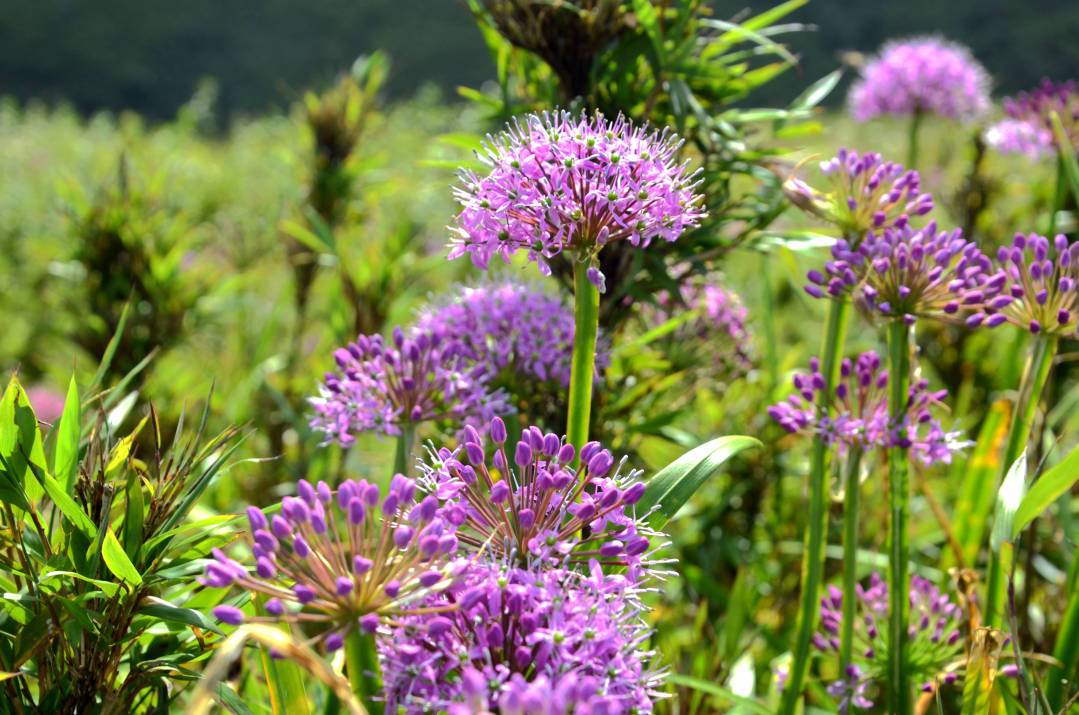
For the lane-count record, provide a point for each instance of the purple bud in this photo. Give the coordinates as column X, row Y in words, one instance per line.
column 229, row 614
column 343, row 585
column 438, row 625
column 304, row 593
column 361, row 565
column 600, row 464
column 500, row 491
column 498, row 430
column 403, row 536
column 274, row 607
column 256, row 518
column 300, row 547
column 565, row 454
column 430, row 578
column 596, row 278
column 369, row 623
column 634, row 493
column 392, row 588
column 280, row 527
column 523, row 455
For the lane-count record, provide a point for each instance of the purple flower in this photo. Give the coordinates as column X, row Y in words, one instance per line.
column 1020, row 136
column 417, row 378
column 1033, row 111
column 558, row 182
column 1035, row 286
column 921, row 75
column 904, row 273
column 523, row 640
column 325, row 557
column 936, row 642
column 511, row 328
column 863, row 193
column 532, row 507
column 860, row 416
column 719, row 327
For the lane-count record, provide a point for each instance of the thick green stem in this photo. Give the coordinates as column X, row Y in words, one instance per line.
column 912, row 144
column 817, row 528
column 361, row 663
column 403, row 456
column 899, row 685
column 850, row 555
column 586, row 322
column 771, row 353
column 1043, row 349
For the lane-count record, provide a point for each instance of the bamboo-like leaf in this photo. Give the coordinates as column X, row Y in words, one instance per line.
column 1067, row 155
column 718, row 691
column 134, row 514
column 817, row 91
column 63, row 501
column 66, row 463
column 673, row 485
column 117, row 561
column 977, row 475
column 110, row 350
column 982, row 670
column 20, row 440
column 1046, row 490
column 1010, row 495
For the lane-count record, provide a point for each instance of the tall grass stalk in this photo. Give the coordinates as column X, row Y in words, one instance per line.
column 1043, row 350
column 586, row 324
column 817, row 528
column 899, row 686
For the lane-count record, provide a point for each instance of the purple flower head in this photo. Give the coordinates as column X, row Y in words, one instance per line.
column 380, row 385
column 921, row 75
column 1036, row 286
column 863, row 193
column 907, row 273
column 719, row 327
column 357, row 557
column 531, row 506
column 514, row 329
column 1020, row 136
column 523, row 640
column 559, row 182
column 860, row 416
column 937, row 646
column 1035, row 109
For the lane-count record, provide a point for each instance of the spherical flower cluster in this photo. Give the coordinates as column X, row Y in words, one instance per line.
column 380, row 387
column 1030, row 115
column 865, row 193
column 921, row 75
column 1032, row 290
column 936, row 644
column 718, row 329
column 558, row 182
column 860, row 415
column 1015, row 136
column 344, row 560
column 507, row 326
column 535, row 507
column 904, row 273
column 524, row 640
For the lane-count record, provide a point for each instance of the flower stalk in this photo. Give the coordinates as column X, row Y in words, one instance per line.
column 850, row 555
column 403, row 456
column 816, row 529
column 899, row 691
column 361, row 664
column 586, row 324
column 912, row 138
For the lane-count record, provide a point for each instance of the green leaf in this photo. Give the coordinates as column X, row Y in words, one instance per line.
column 110, row 350
column 817, row 91
column 107, row 587
column 117, row 560
column 1046, row 490
column 673, row 485
column 174, row 614
column 67, row 506
column 120, row 453
column 134, row 514
column 718, row 691
column 66, row 463
column 231, row 701
column 1009, row 496
column 20, row 439
column 1067, row 156
column 649, row 22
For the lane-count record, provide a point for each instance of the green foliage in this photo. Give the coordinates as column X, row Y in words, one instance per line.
column 103, row 615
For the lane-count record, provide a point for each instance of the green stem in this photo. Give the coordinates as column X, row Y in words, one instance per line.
column 912, row 145
column 361, row 664
column 771, row 353
column 817, row 528
column 403, row 456
column 850, row 555
column 899, row 686
column 1060, row 193
column 1043, row 349
column 586, row 322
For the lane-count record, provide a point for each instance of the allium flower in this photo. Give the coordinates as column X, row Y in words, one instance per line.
column 860, row 412
column 533, row 507
column 1036, row 293
column 936, row 643
column 380, row 387
column 864, row 193
column 1017, row 136
column 344, row 560
column 921, row 75
column 558, row 182
column 1033, row 110
column 904, row 273
column 524, row 640
column 719, row 328
column 520, row 328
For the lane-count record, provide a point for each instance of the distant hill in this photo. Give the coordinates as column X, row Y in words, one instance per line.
column 149, row 56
